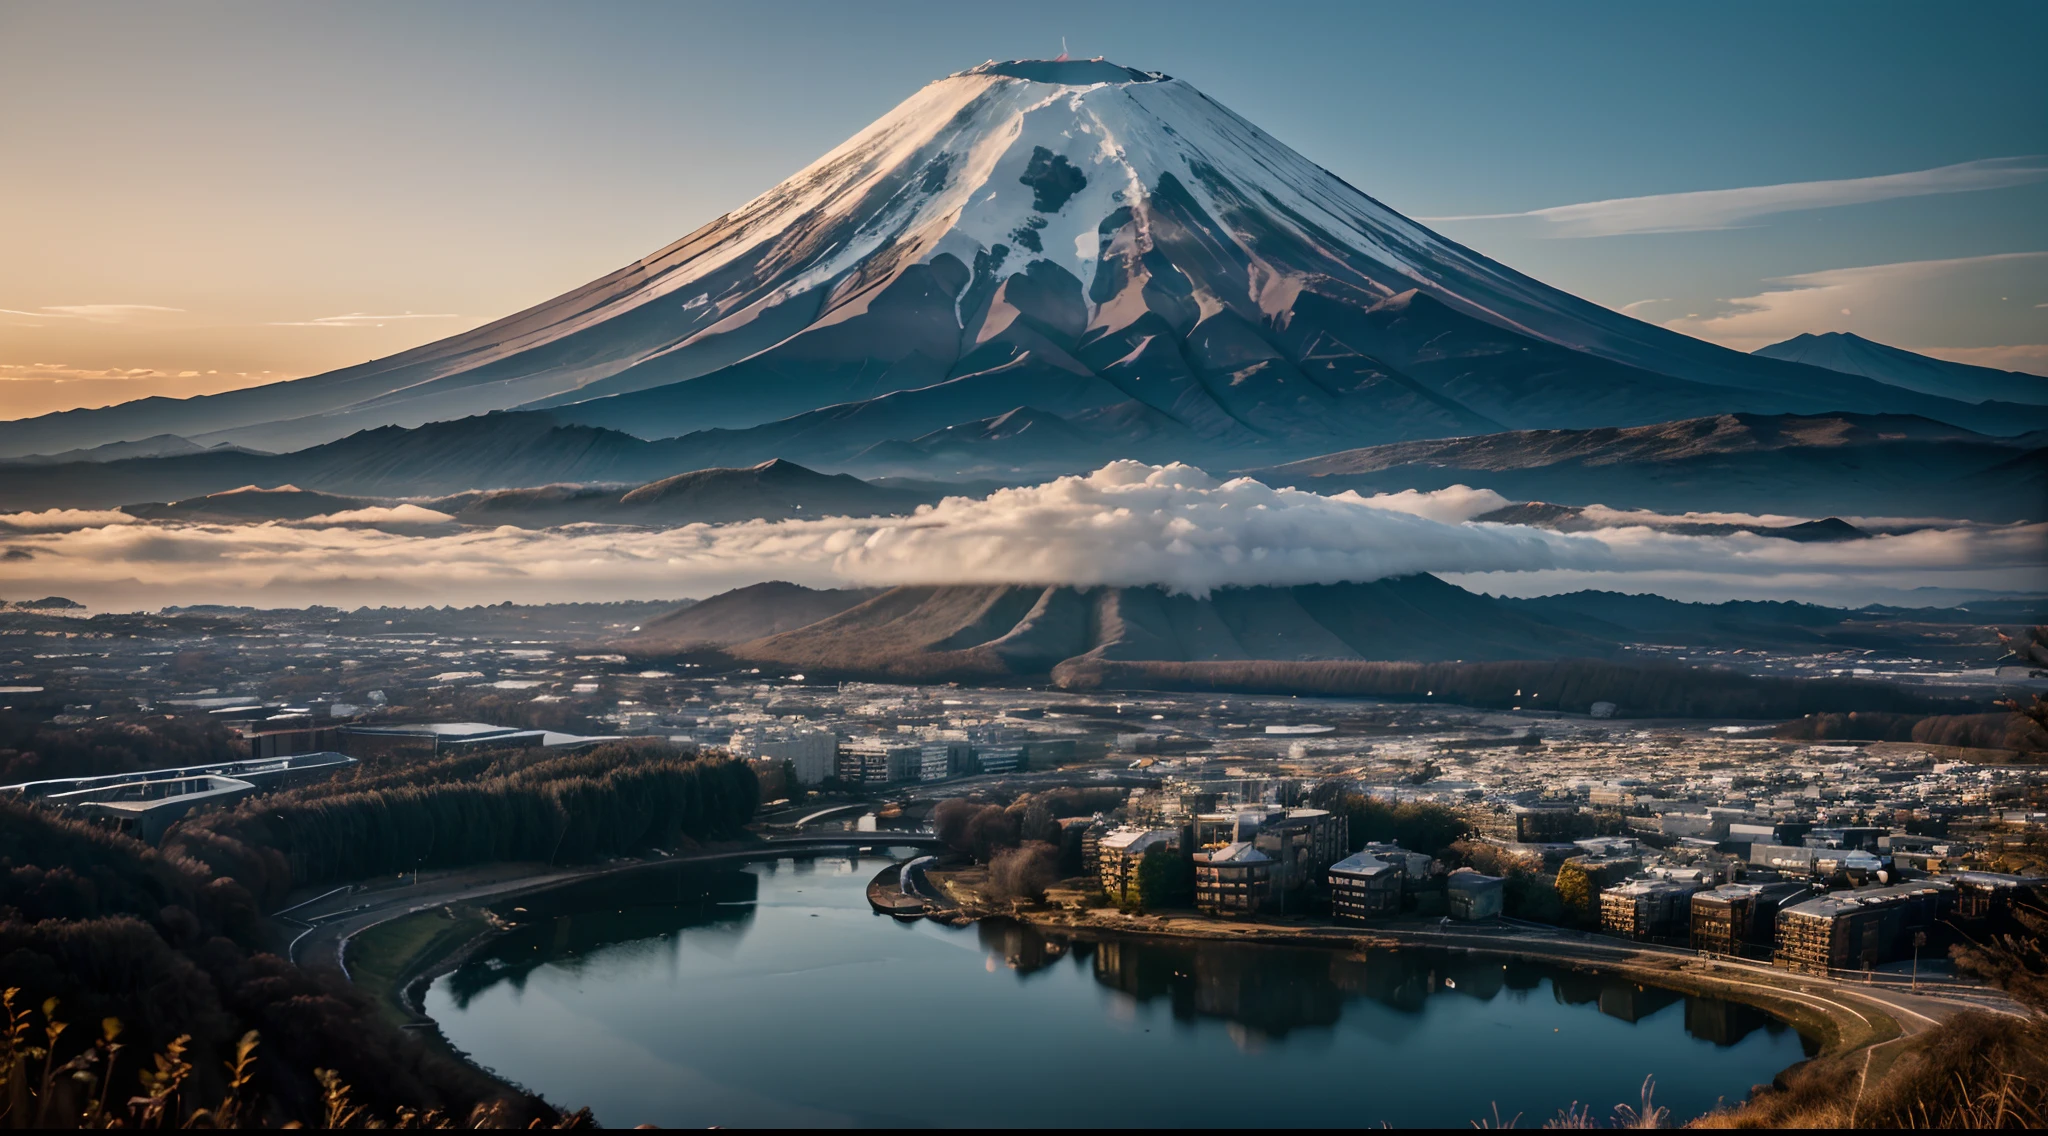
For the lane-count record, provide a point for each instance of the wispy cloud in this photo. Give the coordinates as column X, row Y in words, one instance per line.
column 91, row 313
column 365, row 319
column 1634, row 306
column 1875, row 300
column 1728, row 208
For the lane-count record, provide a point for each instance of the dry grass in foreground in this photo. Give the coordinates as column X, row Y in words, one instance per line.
column 86, row 1091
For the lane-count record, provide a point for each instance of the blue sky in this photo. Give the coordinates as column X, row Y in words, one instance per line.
column 207, row 186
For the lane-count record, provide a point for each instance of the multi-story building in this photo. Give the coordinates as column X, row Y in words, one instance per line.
column 1415, row 866
column 1122, row 850
column 875, row 762
column 1985, row 895
column 1648, row 908
column 1550, row 824
column 1303, row 844
column 943, row 759
column 1000, row 757
column 812, row 753
column 1473, row 895
column 1365, row 886
column 1856, row 930
column 1722, row 918
column 1235, row 879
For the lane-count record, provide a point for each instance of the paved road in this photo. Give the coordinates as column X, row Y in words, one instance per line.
column 323, row 926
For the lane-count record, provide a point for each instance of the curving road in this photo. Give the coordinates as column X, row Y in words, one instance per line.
column 322, row 926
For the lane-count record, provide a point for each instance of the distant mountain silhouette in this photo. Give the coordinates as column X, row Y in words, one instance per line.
column 1854, row 355
column 1882, row 465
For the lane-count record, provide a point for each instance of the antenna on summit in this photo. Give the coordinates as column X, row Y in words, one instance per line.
column 1063, row 50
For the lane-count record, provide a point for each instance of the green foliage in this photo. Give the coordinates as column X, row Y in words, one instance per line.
column 1418, row 826
column 1164, row 878
column 1525, row 892
column 1576, row 891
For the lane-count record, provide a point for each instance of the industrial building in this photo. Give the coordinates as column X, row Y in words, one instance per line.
column 1364, row 886
column 432, row 739
column 147, row 803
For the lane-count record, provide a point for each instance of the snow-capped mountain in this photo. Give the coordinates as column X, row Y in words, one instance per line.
column 1067, row 236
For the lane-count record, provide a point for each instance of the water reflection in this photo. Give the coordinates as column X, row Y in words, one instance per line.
column 1270, row 992
column 562, row 928
column 686, row 995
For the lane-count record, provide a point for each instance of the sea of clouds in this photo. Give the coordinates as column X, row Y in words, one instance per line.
column 1127, row 523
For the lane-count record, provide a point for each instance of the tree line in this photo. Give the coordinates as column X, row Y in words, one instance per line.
column 614, row 799
column 31, row 749
column 2008, row 730
column 171, row 940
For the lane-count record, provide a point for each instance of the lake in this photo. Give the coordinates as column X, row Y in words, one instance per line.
column 768, row 994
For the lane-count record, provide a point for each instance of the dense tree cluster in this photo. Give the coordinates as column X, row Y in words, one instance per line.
column 32, row 749
column 2008, row 730
column 617, row 798
column 170, row 940
column 1024, row 872
column 1419, row 826
column 111, row 927
column 1526, row 892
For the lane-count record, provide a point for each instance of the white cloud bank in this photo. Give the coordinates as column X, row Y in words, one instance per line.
column 1125, row 524
column 1727, row 208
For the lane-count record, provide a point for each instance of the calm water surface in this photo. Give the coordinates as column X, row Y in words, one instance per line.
column 770, row 995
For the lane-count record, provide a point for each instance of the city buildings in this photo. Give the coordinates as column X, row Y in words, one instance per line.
column 1121, row 851
column 811, row 753
column 877, row 762
column 1473, row 895
column 1648, row 908
column 1235, row 879
column 1857, row 930
column 1365, row 886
